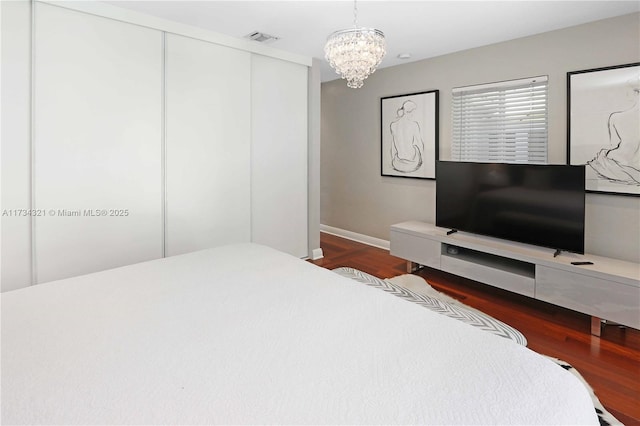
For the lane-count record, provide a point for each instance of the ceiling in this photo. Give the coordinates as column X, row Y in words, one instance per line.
column 422, row 28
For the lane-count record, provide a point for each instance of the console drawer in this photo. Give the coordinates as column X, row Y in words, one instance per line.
column 416, row 249
column 594, row 296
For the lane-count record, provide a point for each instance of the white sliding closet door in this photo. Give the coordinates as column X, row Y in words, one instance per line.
column 279, row 154
column 15, row 140
column 97, row 151
column 208, row 145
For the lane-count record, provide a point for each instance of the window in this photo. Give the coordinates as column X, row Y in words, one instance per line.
column 502, row 122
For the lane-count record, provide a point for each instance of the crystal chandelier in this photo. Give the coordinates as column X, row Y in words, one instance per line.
column 355, row 53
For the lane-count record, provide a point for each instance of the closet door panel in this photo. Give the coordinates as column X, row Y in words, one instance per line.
column 279, row 155
column 97, row 151
column 15, row 145
column 207, row 145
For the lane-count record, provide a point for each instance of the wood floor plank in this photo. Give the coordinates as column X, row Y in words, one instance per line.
column 610, row 363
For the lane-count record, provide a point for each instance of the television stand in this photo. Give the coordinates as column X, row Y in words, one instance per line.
column 606, row 289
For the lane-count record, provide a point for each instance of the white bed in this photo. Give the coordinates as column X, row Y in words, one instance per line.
column 245, row 334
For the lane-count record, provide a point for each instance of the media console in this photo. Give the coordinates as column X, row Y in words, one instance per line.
column 607, row 289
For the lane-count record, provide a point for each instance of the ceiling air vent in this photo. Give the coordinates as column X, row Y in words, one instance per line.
column 261, row 37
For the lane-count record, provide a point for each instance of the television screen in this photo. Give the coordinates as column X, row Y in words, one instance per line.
column 535, row 204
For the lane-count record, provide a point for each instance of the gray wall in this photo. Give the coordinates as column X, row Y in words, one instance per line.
column 354, row 196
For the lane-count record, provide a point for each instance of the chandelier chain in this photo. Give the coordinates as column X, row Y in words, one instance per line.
column 355, row 14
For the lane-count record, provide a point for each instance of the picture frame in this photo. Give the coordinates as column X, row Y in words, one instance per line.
column 409, row 134
column 603, row 127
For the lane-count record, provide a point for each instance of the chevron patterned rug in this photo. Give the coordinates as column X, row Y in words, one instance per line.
column 419, row 285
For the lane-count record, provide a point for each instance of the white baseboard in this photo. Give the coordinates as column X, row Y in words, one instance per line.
column 317, row 254
column 354, row 236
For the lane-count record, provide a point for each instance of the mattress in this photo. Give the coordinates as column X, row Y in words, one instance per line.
column 467, row 315
column 245, row 334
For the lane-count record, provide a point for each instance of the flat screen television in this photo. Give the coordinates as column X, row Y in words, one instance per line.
column 542, row 205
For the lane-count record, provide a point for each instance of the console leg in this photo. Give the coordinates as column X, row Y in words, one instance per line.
column 596, row 326
column 410, row 266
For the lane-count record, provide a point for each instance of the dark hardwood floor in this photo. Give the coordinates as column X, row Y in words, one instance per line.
column 610, row 363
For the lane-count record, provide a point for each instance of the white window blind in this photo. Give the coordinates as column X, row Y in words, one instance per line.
column 502, row 122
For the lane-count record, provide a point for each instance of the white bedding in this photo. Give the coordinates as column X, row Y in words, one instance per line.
column 245, row 334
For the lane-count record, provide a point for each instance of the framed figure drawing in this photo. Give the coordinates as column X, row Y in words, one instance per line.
column 603, row 127
column 409, row 135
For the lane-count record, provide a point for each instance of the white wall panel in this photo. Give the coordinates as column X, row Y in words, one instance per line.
column 98, row 112
column 208, row 146
column 15, row 263
column 279, row 154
